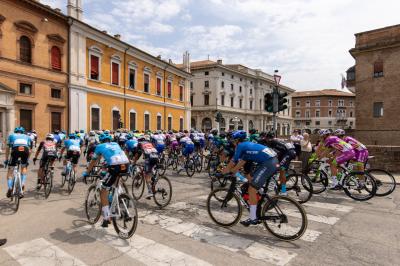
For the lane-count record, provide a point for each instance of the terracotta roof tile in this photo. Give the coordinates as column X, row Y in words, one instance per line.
column 326, row 92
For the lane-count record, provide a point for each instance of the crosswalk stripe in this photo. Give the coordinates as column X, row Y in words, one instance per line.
column 145, row 250
column 41, row 252
column 220, row 239
column 328, row 206
column 315, row 218
column 309, row 235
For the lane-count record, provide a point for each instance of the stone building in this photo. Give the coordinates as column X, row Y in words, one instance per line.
column 323, row 109
column 377, row 79
column 238, row 93
column 33, row 67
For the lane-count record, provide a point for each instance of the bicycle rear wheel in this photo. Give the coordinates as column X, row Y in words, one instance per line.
column 222, row 210
column 302, row 189
column 162, row 191
column 284, row 218
column 385, row 182
column 319, row 181
column 138, row 184
column 198, row 164
column 63, row 179
column 190, row 168
column 15, row 197
column 71, row 181
column 125, row 225
column 359, row 186
column 48, row 184
column 92, row 204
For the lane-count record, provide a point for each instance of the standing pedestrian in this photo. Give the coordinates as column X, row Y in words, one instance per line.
column 295, row 138
column 306, row 151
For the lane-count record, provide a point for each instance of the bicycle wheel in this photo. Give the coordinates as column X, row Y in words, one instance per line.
column 71, row 181
column 190, row 168
column 93, row 205
column 219, row 182
column 319, row 181
column 198, row 164
column 222, row 210
column 162, row 167
column 15, row 197
column 125, row 225
column 385, row 182
column 162, row 191
column 302, row 189
column 48, row 184
column 63, row 179
column 359, row 186
column 175, row 162
column 138, row 184
column 284, row 218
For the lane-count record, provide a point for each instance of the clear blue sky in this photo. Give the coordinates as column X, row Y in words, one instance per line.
column 307, row 40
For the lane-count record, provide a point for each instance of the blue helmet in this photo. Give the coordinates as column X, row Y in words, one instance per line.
column 105, row 137
column 19, row 130
column 129, row 136
column 240, row 134
column 72, row 136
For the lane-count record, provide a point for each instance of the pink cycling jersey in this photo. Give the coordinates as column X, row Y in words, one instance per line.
column 338, row 144
column 361, row 152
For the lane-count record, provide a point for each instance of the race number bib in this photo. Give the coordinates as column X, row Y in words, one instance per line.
column 74, row 148
column 21, row 142
column 119, row 159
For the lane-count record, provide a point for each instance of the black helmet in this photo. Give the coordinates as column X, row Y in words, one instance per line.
column 270, row 135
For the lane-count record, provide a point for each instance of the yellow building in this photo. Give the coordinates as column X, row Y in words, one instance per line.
column 112, row 82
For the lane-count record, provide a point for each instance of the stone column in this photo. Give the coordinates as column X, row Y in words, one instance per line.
column 10, row 118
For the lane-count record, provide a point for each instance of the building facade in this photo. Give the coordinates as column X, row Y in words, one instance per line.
column 377, row 79
column 332, row 109
column 113, row 84
column 238, row 93
column 33, row 67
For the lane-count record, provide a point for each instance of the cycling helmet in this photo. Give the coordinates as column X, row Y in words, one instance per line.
column 214, row 131
column 72, row 136
column 81, row 131
column 104, row 137
column 339, row 132
column 63, row 131
column 33, row 131
column 92, row 133
column 19, row 130
column 146, row 137
column 324, row 132
column 270, row 135
column 129, row 136
column 107, row 132
column 191, row 130
column 50, row 136
column 141, row 138
column 56, row 131
column 222, row 135
column 252, row 131
column 240, row 135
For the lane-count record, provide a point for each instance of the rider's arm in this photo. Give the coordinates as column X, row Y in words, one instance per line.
column 38, row 150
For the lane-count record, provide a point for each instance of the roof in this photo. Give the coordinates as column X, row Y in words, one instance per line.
column 319, row 93
column 378, row 29
column 4, row 87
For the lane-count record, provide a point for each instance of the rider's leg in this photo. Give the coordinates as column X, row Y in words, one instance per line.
column 105, row 209
column 282, row 179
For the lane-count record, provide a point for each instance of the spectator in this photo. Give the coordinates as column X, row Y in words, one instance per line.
column 295, row 139
column 3, row 242
column 306, row 151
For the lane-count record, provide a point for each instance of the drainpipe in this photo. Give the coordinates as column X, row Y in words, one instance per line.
column 70, row 23
column 165, row 107
column 124, row 79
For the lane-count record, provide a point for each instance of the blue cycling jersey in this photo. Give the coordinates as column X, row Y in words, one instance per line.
column 18, row 140
column 253, row 152
column 111, row 152
column 131, row 144
column 73, row 144
column 57, row 138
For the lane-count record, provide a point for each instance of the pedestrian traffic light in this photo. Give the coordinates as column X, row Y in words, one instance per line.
column 218, row 117
column 281, row 101
column 269, row 102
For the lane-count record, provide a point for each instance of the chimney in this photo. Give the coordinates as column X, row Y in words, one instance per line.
column 219, row 61
column 57, row 10
column 71, row 10
column 117, row 36
column 170, row 61
column 186, row 61
column 79, row 10
column 104, row 31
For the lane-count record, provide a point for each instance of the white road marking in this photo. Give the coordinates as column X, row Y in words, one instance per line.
column 328, row 206
column 145, row 250
column 41, row 252
column 220, row 239
column 314, row 218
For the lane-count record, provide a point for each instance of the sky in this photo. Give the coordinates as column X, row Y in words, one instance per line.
column 306, row 40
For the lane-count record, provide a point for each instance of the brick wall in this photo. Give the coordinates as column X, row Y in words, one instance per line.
column 386, row 157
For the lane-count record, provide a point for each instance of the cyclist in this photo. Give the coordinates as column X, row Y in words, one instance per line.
column 20, row 145
column 247, row 153
column 49, row 147
column 360, row 150
column 57, row 137
column 254, row 136
column 90, row 143
column 131, row 146
column 73, row 146
column 286, row 153
column 187, row 146
column 116, row 163
column 150, row 156
column 158, row 141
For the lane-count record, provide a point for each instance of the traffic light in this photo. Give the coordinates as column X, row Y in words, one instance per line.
column 218, row 117
column 269, row 102
column 281, row 101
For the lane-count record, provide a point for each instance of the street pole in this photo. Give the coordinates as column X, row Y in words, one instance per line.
column 275, row 109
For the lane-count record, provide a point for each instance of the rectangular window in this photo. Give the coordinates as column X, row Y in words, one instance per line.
column 330, row 113
column 330, row 103
column 308, row 104
column 169, row 123
column 232, row 77
column 132, row 121
column 206, row 73
column 181, row 93
column 341, row 103
column 55, row 121
column 307, row 123
column 115, row 73
column 146, row 85
column 95, row 115
column 317, row 123
column 223, row 74
column 378, row 109
column 146, row 121
column 378, row 69
column 132, row 78
column 251, row 82
column 317, row 113
column 317, row 103
column 94, row 67
column 55, row 93
column 240, row 103
column 251, row 91
column 25, row 119
column 231, row 101
column 158, row 86
column 206, row 99
column 351, row 113
column 330, row 123
column 115, row 119
column 191, row 85
column 222, row 84
column 351, row 103
column 240, row 89
column 307, row 113
column 158, row 122
column 180, row 123
column 297, row 103
column 251, row 105
column 231, row 87
column 222, row 100
column 191, row 100
column 206, row 84
column 298, row 114
column 25, row 88
column 241, row 79
column 169, row 89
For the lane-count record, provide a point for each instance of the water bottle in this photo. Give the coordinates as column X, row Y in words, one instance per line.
column 240, row 177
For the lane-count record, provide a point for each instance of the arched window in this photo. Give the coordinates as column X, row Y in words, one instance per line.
column 55, row 58
column 25, row 49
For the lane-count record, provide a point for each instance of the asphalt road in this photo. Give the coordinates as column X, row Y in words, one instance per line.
column 340, row 231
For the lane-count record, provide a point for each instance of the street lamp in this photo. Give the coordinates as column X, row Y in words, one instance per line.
column 277, row 77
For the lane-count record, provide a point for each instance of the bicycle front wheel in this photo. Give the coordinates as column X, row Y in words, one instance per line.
column 162, row 191
column 48, row 185
column 190, row 168
column 385, row 182
column 284, row 218
column 162, row 167
column 125, row 225
column 302, row 189
column 359, row 186
column 71, row 181
column 92, row 204
column 223, row 210
column 137, row 186
column 15, row 197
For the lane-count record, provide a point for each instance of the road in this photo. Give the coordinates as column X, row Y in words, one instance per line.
column 55, row 232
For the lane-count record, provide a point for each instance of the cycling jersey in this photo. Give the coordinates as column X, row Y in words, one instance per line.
column 20, row 144
column 18, row 140
column 49, row 148
column 337, row 144
column 360, row 150
column 131, row 145
column 112, row 154
column 73, row 144
column 254, row 137
column 279, row 146
column 253, row 152
column 187, row 146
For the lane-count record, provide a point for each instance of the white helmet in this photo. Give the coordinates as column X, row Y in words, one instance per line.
column 339, row 132
column 50, row 136
column 323, row 132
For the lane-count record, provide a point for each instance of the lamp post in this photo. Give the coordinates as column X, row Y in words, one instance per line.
column 277, row 79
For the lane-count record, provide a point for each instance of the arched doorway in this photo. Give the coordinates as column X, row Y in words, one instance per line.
column 240, row 124
column 222, row 124
column 251, row 125
column 193, row 123
column 206, row 124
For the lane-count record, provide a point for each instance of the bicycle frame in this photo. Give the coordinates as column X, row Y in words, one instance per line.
column 17, row 176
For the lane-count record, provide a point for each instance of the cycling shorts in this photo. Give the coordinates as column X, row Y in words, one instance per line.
column 20, row 152
column 345, row 157
column 188, row 150
column 174, row 145
column 113, row 172
column 46, row 158
column 263, row 173
column 286, row 159
column 149, row 163
column 361, row 156
column 73, row 156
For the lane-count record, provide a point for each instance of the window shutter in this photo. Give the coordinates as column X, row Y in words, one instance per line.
column 115, row 76
column 55, row 58
column 94, row 66
column 169, row 89
column 158, row 86
column 25, row 49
